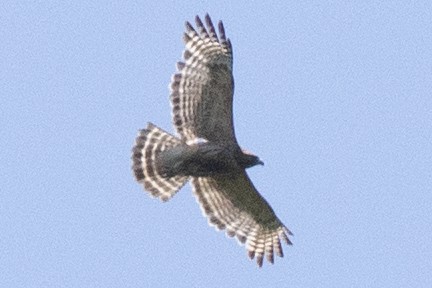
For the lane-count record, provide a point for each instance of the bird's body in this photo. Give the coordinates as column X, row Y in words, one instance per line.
column 206, row 151
column 203, row 159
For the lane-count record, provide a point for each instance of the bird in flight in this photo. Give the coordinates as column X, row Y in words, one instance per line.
column 206, row 152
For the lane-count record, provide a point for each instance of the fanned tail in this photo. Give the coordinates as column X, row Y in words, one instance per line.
column 149, row 143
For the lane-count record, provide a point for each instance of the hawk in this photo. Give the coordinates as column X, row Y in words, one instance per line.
column 206, row 153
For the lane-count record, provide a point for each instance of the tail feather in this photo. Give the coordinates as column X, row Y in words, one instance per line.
column 149, row 143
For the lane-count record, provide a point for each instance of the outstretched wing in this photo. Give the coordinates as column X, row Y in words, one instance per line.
column 202, row 90
column 231, row 202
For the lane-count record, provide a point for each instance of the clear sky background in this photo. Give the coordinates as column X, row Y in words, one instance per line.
column 334, row 96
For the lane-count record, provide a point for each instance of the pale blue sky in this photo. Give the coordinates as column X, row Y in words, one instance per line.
column 334, row 96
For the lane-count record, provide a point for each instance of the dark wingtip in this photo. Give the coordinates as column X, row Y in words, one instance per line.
column 270, row 258
column 259, row 260
column 251, row 254
column 198, row 21
column 208, row 20
column 189, row 26
column 221, row 31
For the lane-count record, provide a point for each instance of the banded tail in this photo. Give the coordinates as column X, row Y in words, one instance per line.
column 149, row 143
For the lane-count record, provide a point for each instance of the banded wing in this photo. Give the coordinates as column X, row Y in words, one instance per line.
column 231, row 202
column 202, row 90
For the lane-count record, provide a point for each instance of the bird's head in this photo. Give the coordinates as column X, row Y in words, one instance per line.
column 247, row 159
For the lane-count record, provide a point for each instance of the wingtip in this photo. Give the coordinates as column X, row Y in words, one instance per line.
column 189, row 26
column 270, row 258
column 251, row 254
column 208, row 20
column 198, row 21
column 221, row 30
column 259, row 260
